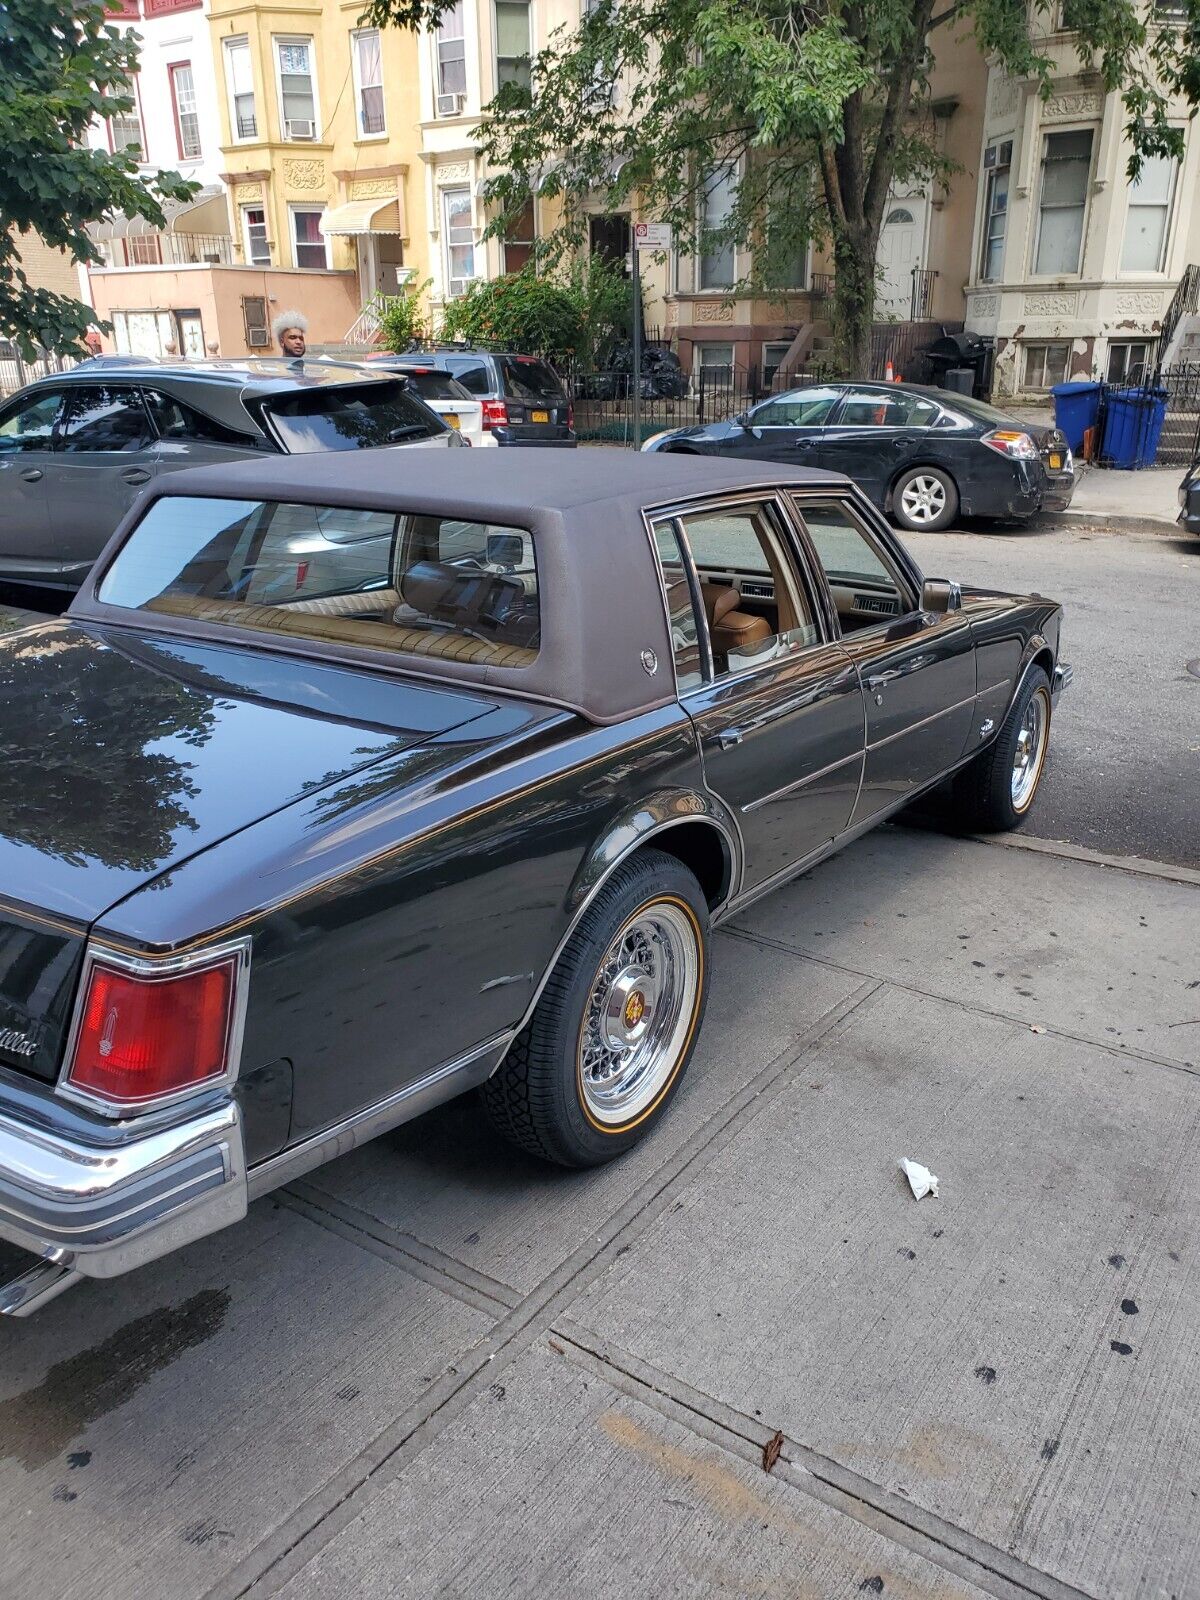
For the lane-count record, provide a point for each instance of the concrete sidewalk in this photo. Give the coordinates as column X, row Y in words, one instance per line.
column 1145, row 501
column 438, row 1368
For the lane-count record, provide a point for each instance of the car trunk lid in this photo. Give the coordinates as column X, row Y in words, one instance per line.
column 123, row 754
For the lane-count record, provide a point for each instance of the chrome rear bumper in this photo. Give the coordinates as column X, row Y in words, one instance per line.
column 96, row 1208
column 1063, row 674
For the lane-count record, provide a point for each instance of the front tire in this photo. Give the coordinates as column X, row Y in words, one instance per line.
column 615, row 1028
column 995, row 792
column 924, row 500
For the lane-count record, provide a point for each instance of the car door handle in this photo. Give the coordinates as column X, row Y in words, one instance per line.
column 728, row 737
column 136, row 475
column 32, row 474
column 802, row 444
column 878, row 681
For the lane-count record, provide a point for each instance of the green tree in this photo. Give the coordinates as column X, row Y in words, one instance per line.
column 62, row 65
column 404, row 320
column 814, row 110
column 576, row 312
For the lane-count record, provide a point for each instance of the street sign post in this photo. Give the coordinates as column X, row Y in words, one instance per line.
column 646, row 236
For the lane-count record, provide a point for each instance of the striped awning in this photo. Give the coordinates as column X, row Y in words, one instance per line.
column 357, row 217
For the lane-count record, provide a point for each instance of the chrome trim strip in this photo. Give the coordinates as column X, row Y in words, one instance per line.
column 915, row 727
column 443, row 1083
column 23, row 1295
column 99, row 952
column 822, row 772
column 992, row 687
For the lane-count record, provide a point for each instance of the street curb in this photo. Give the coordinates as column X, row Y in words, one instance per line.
column 1111, row 521
column 1092, row 858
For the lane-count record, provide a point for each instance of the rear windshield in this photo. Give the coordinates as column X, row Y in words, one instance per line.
column 437, row 386
column 472, row 374
column 526, row 378
column 429, row 586
column 351, row 417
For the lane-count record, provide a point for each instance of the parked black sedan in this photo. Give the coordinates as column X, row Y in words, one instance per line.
column 1189, row 500
column 344, row 788
column 922, row 455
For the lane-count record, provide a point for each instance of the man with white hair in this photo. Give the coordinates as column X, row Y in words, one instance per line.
column 289, row 328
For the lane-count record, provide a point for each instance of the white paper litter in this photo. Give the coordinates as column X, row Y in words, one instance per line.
column 920, row 1180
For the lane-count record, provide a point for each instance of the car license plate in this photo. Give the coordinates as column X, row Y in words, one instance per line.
column 452, row 418
column 1055, row 461
column 541, row 416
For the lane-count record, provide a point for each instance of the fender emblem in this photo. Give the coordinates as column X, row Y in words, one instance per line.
column 986, row 727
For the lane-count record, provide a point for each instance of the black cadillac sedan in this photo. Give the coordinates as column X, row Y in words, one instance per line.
column 922, row 455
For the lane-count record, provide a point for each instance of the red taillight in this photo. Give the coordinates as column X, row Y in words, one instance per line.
column 495, row 413
column 142, row 1037
column 570, row 416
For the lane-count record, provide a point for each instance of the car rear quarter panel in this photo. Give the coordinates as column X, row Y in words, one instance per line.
column 1009, row 632
column 406, row 915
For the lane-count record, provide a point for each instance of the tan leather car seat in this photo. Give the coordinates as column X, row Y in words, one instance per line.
column 730, row 628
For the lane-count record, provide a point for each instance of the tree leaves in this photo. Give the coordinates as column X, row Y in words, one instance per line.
column 62, row 66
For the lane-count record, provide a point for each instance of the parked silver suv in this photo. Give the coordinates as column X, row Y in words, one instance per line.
column 77, row 448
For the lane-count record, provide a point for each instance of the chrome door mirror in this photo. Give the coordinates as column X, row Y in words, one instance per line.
column 939, row 595
column 742, row 420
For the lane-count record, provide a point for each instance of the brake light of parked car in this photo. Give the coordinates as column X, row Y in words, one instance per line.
column 1010, row 442
column 570, row 415
column 495, row 413
column 144, row 1036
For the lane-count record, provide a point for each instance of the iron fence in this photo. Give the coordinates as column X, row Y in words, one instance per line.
column 15, row 372
column 1154, row 420
column 669, row 398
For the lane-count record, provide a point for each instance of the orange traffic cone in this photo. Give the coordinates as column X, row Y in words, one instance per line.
column 889, row 375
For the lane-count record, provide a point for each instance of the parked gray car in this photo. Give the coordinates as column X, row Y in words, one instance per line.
column 77, row 448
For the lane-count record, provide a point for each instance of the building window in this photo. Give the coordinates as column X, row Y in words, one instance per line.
column 716, row 206
column 254, row 229
column 368, row 82
column 125, row 132
column 254, row 316
column 997, row 164
column 1129, row 360
column 512, row 43
column 518, row 239
column 1149, row 215
column 459, row 239
column 1045, row 365
column 714, row 363
column 451, row 61
column 308, row 242
column 187, row 118
column 773, row 353
column 297, row 88
column 1066, row 167
column 239, row 82
column 143, row 250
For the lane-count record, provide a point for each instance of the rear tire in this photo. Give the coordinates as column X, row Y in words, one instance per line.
column 924, row 499
column 614, row 1030
column 995, row 792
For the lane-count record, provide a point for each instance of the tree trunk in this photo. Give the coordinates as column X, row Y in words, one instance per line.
column 854, row 296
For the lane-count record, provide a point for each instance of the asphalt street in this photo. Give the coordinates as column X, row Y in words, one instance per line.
column 1124, row 770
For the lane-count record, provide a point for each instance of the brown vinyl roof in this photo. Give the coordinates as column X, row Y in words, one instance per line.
column 601, row 600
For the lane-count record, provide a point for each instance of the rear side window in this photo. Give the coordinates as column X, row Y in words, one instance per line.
column 175, row 420
column 429, row 586
column 29, row 424
column 526, row 378
column 351, row 417
column 434, row 385
column 473, row 375
column 108, row 417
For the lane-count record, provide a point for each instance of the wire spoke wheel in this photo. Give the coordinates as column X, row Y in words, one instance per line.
column 640, row 1013
column 1030, row 752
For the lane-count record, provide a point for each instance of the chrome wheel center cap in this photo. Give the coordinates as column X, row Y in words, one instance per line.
column 628, row 1011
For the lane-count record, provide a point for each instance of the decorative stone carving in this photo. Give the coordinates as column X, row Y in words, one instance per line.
column 453, row 172
column 1072, row 107
column 249, row 191
column 304, row 174
column 372, row 188
column 1051, row 305
column 1002, row 96
column 672, row 314
column 984, row 305
column 713, row 311
column 1132, row 304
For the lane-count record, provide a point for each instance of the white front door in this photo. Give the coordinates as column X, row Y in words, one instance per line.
column 901, row 244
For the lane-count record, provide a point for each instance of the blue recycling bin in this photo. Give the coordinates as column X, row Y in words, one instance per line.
column 1076, row 408
column 1133, row 424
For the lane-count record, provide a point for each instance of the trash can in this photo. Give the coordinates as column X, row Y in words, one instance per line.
column 959, row 380
column 1076, row 409
column 1133, row 423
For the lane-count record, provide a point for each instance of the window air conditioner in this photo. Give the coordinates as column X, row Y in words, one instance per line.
column 294, row 129
column 449, row 105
